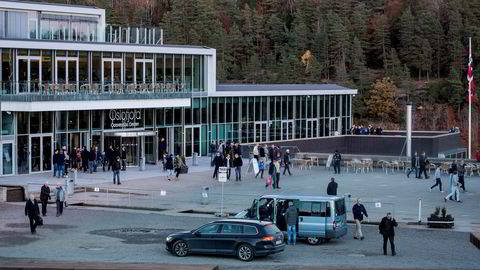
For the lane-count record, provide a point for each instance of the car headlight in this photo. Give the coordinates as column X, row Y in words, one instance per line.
column 169, row 238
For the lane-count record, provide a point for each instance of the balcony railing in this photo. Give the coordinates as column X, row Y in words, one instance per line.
column 34, row 91
column 133, row 35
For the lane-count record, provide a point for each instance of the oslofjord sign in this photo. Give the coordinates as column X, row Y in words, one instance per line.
column 125, row 118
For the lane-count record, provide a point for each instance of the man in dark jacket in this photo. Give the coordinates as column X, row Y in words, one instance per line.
column 61, row 164
column 124, row 158
column 286, row 162
column 238, row 163
column 291, row 216
column 44, row 197
column 32, row 211
column 414, row 166
column 423, row 161
column 116, row 166
column 218, row 162
column 332, row 187
column 386, row 228
column 358, row 211
column 337, row 158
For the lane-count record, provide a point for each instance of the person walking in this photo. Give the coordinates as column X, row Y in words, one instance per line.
column 278, row 169
column 169, row 166
column 261, row 168
column 337, row 158
column 218, row 162
column 414, row 165
column 255, row 152
column 461, row 175
column 116, row 166
column 291, row 216
column 55, row 163
column 286, row 162
column 32, row 211
column 85, row 158
column 66, row 162
column 438, row 180
column 387, row 229
column 44, row 197
column 423, row 161
column 454, row 188
column 261, row 153
column 358, row 211
column 59, row 199
column 238, row 163
column 124, row 158
column 178, row 166
column 272, row 174
column 229, row 164
column 110, row 157
column 213, row 148
column 162, row 149
column 332, row 187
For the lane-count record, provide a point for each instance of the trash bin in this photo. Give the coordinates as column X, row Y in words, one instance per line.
column 142, row 164
column 69, row 186
column 205, row 195
column 195, row 159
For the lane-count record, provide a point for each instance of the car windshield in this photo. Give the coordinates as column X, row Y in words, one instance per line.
column 271, row 229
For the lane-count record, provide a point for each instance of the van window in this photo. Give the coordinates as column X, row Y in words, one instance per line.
column 305, row 209
column 340, row 207
column 321, row 209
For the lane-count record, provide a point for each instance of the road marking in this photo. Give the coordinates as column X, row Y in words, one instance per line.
column 391, row 196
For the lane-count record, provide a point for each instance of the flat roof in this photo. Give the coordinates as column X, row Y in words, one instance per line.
column 278, row 87
column 52, row 4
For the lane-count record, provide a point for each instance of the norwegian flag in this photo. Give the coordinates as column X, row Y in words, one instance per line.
column 471, row 82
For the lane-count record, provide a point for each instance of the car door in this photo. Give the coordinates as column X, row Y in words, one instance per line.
column 203, row 239
column 230, row 235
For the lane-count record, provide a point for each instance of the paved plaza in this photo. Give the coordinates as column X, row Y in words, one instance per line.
column 379, row 192
column 127, row 236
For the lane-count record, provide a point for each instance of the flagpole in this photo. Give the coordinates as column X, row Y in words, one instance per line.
column 470, row 104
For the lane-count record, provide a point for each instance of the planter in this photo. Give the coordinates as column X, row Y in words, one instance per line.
column 440, row 222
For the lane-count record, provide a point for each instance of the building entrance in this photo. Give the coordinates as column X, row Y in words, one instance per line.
column 137, row 145
column 41, row 153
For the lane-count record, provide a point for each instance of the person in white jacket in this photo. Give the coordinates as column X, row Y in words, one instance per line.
column 454, row 186
column 438, row 180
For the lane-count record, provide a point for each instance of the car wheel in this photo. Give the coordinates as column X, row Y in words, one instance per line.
column 245, row 252
column 313, row 240
column 180, row 248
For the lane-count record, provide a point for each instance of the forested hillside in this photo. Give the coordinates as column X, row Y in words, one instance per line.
column 422, row 46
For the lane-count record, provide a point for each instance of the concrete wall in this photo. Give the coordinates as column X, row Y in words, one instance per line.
column 378, row 144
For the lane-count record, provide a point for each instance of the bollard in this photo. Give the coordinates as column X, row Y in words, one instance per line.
column 419, row 211
column 205, row 195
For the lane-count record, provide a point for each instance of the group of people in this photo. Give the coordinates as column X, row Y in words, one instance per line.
column 171, row 165
column 361, row 130
column 32, row 210
column 276, row 160
column 456, row 177
column 419, row 165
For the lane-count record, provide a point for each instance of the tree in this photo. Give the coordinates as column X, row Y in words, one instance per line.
column 380, row 45
column 381, row 100
column 406, row 36
column 338, row 45
column 359, row 70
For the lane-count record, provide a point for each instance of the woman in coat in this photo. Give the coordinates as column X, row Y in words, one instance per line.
column 178, row 166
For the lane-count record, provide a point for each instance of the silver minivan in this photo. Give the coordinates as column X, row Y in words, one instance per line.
column 320, row 218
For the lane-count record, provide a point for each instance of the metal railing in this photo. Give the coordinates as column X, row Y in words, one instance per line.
column 95, row 88
column 134, row 35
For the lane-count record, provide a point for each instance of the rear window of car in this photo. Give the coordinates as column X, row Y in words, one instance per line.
column 249, row 230
column 271, row 229
column 340, row 207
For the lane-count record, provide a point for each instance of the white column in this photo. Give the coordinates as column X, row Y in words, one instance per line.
column 409, row 129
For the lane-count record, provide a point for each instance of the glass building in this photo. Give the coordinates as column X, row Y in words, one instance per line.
column 69, row 80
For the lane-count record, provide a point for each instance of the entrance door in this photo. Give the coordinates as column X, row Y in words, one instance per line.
column 112, row 73
column 334, row 126
column 261, row 131
column 192, row 140
column 150, row 152
column 29, row 70
column 143, row 71
column 67, row 70
column 287, row 130
column 312, row 128
column 132, row 147
column 7, row 158
column 40, row 153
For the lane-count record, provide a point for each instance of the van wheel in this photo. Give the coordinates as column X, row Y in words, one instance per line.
column 313, row 241
column 245, row 252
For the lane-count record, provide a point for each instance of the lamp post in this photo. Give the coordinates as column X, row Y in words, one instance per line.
column 409, row 129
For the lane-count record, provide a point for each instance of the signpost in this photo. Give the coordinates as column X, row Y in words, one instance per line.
column 222, row 178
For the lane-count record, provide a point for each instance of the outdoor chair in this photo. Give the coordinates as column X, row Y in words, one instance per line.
column 431, row 166
column 368, row 165
column 348, row 164
column 131, row 88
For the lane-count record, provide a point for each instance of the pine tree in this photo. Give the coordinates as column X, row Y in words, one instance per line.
column 380, row 45
column 359, row 70
column 359, row 24
column 406, row 36
column 338, row 44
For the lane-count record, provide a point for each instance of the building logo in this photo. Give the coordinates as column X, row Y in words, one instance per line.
column 125, row 118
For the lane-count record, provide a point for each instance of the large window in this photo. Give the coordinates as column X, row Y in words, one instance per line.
column 160, row 68
column 7, row 123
